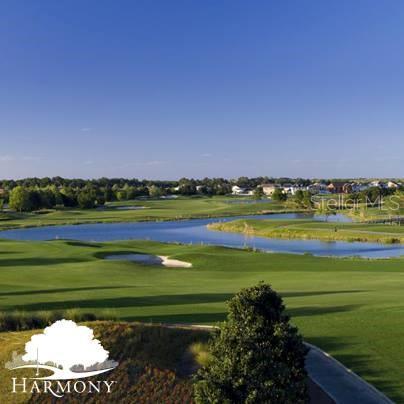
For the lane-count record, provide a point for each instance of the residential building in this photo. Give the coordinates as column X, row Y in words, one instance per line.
column 269, row 188
column 339, row 187
column 392, row 184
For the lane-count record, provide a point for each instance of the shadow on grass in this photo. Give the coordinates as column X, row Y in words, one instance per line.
column 319, row 293
column 167, row 300
column 191, row 318
column 317, row 310
column 60, row 290
column 82, row 244
column 135, row 301
column 196, row 318
column 37, row 261
column 360, row 364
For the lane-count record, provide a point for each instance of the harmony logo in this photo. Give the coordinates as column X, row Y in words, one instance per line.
column 68, row 351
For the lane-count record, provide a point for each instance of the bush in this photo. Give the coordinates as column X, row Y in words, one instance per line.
column 256, row 356
column 22, row 321
column 200, row 352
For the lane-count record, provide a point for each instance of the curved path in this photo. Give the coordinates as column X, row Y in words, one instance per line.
column 340, row 383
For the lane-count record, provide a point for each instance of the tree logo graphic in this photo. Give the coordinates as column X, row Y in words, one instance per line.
column 68, row 350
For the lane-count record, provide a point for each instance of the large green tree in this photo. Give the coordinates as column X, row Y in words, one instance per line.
column 257, row 356
column 20, row 199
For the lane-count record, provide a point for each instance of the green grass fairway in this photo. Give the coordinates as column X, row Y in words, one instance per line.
column 162, row 209
column 311, row 229
column 352, row 308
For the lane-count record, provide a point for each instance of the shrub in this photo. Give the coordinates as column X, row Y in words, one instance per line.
column 257, row 356
column 201, row 353
column 21, row 321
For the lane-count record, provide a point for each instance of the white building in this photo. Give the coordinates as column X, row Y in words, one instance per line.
column 393, row 185
column 236, row 190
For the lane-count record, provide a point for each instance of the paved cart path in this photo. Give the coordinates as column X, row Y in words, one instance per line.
column 341, row 384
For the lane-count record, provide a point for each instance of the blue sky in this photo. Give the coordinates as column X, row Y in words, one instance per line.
column 165, row 89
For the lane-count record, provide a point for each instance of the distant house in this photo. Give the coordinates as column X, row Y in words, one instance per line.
column 269, row 188
column 2, row 191
column 236, row 190
column 339, row 187
column 359, row 187
column 318, row 188
column 392, row 185
column 377, row 184
column 290, row 189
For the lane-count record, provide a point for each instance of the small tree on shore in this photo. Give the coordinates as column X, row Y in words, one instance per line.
column 279, row 195
column 256, row 356
column 258, row 193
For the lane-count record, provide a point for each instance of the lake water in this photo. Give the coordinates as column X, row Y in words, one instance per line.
column 195, row 231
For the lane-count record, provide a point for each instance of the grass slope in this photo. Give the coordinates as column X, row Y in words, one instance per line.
column 310, row 229
column 352, row 308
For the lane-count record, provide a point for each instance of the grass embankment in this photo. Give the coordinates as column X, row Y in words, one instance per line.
column 310, row 230
column 352, row 308
column 155, row 364
column 167, row 209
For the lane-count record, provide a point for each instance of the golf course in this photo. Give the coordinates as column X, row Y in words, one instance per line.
column 350, row 307
column 315, row 230
column 148, row 210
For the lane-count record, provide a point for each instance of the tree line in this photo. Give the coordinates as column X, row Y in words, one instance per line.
column 32, row 194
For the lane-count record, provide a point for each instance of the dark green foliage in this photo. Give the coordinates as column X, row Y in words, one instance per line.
column 257, row 356
column 86, row 199
column 21, row 321
column 258, row 193
column 279, row 195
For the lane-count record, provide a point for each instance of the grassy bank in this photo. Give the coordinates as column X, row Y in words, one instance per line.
column 147, row 210
column 155, row 364
column 351, row 308
column 310, row 229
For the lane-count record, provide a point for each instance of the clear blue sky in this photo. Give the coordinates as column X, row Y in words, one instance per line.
column 165, row 89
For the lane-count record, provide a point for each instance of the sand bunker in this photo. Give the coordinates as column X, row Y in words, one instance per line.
column 149, row 259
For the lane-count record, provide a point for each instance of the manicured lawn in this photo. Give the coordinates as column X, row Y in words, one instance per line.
column 181, row 208
column 310, row 229
column 352, row 308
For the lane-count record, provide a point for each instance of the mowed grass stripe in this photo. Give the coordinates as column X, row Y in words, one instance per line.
column 352, row 308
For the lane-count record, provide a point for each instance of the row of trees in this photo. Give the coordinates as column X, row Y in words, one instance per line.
column 24, row 199
column 214, row 185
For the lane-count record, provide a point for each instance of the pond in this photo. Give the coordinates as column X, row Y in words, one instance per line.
column 195, row 231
